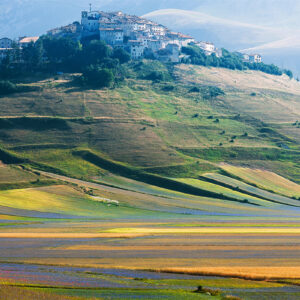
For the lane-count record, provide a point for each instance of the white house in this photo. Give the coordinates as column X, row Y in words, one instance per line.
column 136, row 49
column 255, row 58
column 25, row 41
column 129, row 27
column 158, row 29
column 155, row 45
column 6, row 43
column 185, row 40
column 252, row 58
column 207, row 47
column 112, row 36
column 4, row 52
column 141, row 25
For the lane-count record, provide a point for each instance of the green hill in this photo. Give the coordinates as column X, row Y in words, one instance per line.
column 185, row 126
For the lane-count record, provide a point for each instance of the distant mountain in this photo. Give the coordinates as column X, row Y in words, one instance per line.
column 223, row 32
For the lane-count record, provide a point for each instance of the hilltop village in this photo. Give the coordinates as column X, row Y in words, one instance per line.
column 140, row 37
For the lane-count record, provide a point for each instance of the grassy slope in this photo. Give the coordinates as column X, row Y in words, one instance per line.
column 66, row 200
column 150, row 130
column 142, row 125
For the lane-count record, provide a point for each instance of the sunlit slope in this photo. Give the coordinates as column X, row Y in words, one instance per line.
column 267, row 180
column 166, row 128
column 268, row 98
column 148, row 196
column 250, row 189
column 67, row 202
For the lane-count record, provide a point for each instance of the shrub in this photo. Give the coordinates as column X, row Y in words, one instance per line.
column 152, row 70
column 7, row 87
column 95, row 52
column 98, row 77
column 212, row 292
column 288, row 73
column 168, row 88
column 122, row 55
column 228, row 60
column 210, row 92
column 156, row 76
column 59, row 50
column 194, row 90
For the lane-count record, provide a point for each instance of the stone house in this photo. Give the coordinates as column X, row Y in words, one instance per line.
column 5, row 43
column 112, row 36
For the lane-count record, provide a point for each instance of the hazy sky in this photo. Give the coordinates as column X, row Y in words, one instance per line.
column 283, row 14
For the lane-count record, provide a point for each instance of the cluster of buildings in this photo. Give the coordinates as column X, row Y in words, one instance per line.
column 140, row 37
column 250, row 58
column 7, row 45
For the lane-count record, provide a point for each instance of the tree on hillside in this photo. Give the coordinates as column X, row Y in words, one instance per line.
column 213, row 60
column 7, row 87
column 98, row 77
column 288, row 73
column 122, row 55
column 95, row 52
column 33, row 55
column 5, row 66
column 59, row 50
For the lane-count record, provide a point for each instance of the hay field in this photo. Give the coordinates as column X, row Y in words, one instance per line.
column 276, row 99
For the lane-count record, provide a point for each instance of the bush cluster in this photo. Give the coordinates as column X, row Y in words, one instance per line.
column 7, row 87
column 228, row 60
column 93, row 58
column 103, row 66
